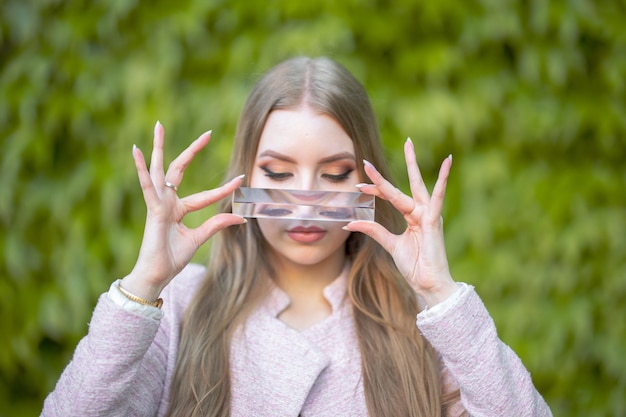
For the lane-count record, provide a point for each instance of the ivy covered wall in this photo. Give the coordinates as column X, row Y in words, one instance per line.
column 529, row 97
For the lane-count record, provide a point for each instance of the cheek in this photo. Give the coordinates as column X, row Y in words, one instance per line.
column 341, row 235
column 254, row 179
column 269, row 228
column 263, row 227
column 259, row 179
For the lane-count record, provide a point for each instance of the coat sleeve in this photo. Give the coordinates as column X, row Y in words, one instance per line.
column 118, row 368
column 491, row 377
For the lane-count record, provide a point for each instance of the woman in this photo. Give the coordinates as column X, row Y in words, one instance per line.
column 294, row 318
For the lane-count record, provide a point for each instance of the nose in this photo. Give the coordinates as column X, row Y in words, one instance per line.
column 307, row 182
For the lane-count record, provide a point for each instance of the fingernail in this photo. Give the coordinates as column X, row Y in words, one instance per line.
column 408, row 139
column 450, row 157
column 362, row 184
column 157, row 124
column 239, row 177
column 208, row 132
column 346, row 228
column 244, row 221
column 368, row 163
column 134, row 147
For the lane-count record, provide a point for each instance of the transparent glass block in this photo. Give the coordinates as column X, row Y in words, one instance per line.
column 334, row 206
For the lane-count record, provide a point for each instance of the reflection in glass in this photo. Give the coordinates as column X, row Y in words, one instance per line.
column 303, row 205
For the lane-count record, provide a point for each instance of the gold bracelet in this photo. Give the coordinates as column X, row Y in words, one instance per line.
column 158, row 303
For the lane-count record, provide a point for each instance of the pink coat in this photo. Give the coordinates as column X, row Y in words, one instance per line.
column 124, row 366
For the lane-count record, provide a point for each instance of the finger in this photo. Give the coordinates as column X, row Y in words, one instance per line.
column 370, row 189
column 177, row 168
column 145, row 181
column 376, row 231
column 213, row 225
column 439, row 192
column 203, row 199
column 416, row 182
column 156, row 160
column 403, row 203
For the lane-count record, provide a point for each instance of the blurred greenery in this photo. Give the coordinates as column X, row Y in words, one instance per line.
column 527, row 95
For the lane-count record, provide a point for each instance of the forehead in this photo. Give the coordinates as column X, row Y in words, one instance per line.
column 303, row 131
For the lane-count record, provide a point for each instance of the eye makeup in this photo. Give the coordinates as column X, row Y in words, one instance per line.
column 332, row 177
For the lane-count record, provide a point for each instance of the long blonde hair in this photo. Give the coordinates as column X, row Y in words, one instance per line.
column 400, row 369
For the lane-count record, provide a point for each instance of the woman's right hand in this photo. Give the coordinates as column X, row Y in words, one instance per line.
column 168, row 245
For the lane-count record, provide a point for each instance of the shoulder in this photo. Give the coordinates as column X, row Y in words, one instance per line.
column 181, row 290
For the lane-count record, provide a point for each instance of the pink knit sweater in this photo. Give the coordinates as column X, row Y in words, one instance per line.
column 124, row 366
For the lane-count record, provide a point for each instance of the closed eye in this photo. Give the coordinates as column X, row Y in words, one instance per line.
column 278, row 176
column 338, row 177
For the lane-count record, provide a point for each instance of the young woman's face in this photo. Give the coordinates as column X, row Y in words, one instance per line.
column 304, row 150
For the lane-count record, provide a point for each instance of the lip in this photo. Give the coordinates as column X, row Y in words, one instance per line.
column 306, row 234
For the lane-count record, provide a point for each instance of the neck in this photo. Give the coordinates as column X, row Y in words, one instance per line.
column 291, row 277
column 304, row 284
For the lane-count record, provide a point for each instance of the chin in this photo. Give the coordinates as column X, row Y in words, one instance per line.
column 309, row 256
column 310, row 259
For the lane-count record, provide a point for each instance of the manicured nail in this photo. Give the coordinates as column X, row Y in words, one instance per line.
column 450, row 157
column 362, row 184
column 244, row 220
column 239, row 177
column 409, row 140
column 368, row 163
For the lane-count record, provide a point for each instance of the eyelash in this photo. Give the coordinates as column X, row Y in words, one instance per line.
column 280, row 176
column 340, row 177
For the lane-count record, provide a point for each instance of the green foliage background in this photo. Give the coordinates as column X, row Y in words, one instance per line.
column 527, row 95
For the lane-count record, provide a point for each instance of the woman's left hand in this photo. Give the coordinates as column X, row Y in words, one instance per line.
column 419, row 252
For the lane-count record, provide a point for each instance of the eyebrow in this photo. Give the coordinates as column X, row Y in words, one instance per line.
column 332, row 158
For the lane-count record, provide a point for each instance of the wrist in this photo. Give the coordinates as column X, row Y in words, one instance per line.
column 140, row 288
column 132, row 297
column 439, row 293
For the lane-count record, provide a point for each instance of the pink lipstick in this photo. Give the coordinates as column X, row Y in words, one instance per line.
column 306, row 234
